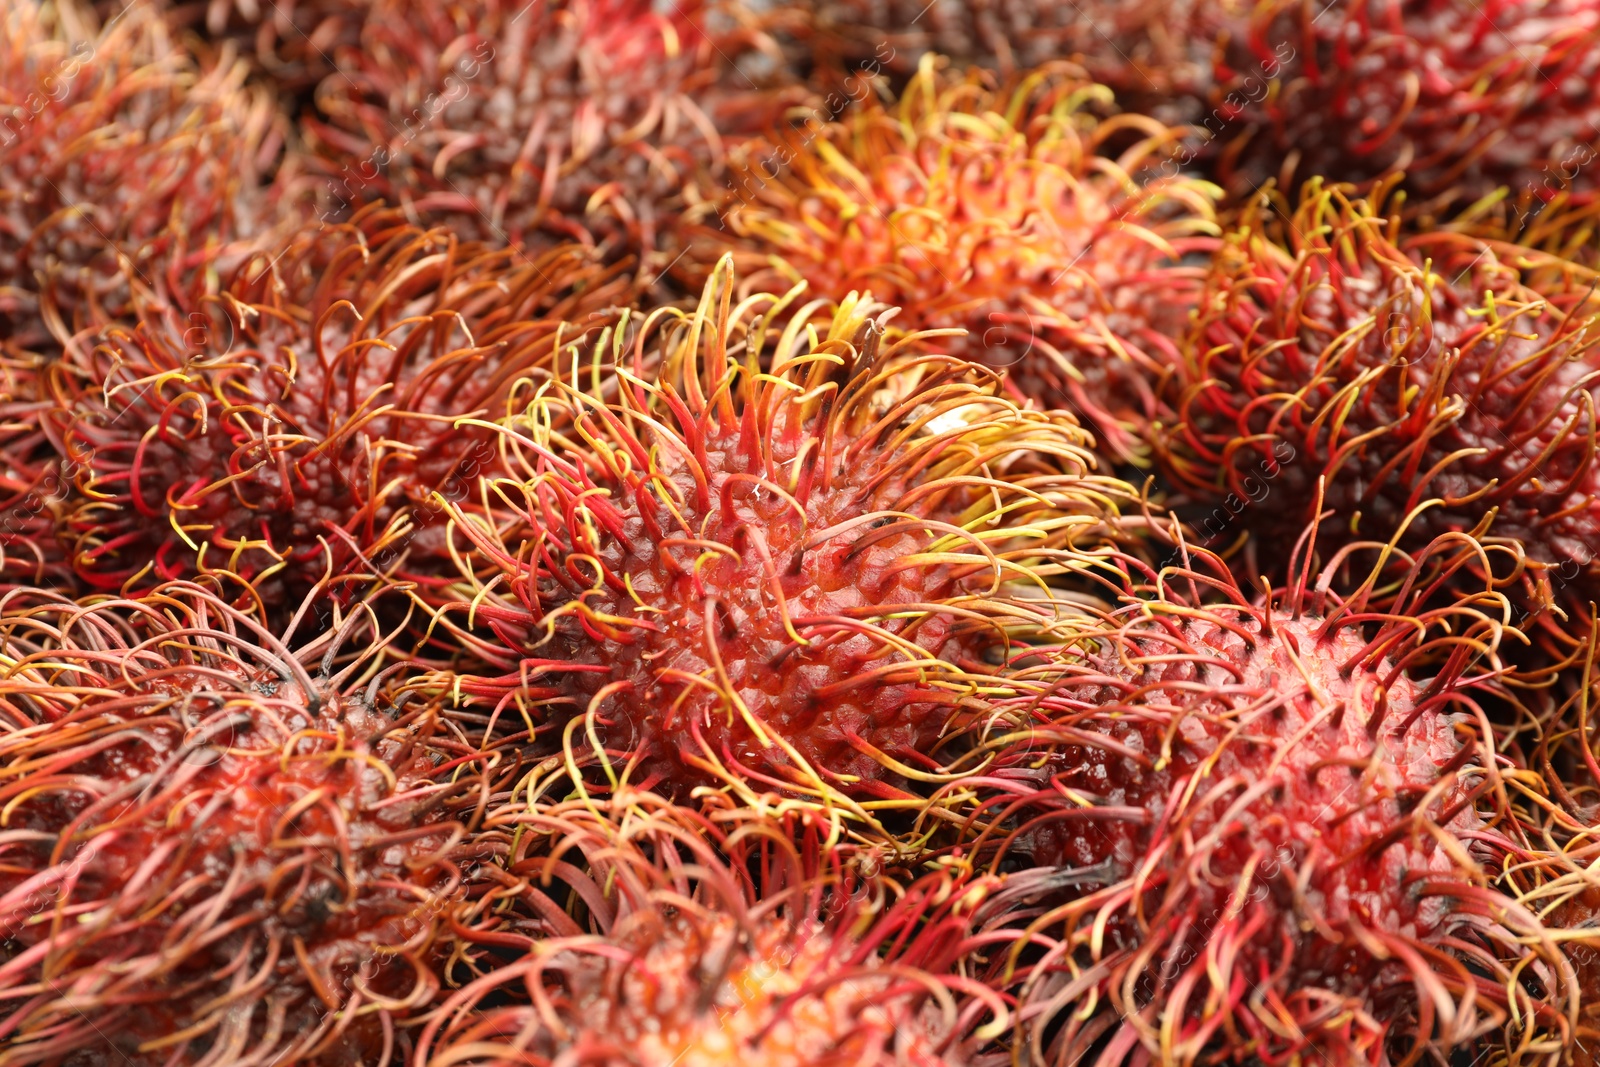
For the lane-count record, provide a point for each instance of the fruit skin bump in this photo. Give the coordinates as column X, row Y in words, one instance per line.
column 769, row 562
column 123, row 169
column 1026, row 212
column 1266, row 829
column 669, row 938
column 216, row 848
column 296, row 427
column 1413, row 376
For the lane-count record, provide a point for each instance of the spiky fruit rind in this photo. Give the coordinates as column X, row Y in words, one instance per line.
column 1269, row 830
column 1025, row 212
column 537, row 123
column 771, row 570
column 1413, row 377
column 298, row 426
column 122, row 168
column 208, row 848
column 705, row 942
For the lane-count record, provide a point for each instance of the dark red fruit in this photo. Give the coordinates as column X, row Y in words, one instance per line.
column 893, row 36
column 1267, row 831
column 211, row 854
column 778, row 579
column 1415, row 377
column 541, row 121
column 303, row 423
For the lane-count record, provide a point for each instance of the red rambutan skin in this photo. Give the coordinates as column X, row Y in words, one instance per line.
column 208, row 855
column 302, row 424
column 1026, row 213
column 122, row 168
column 1413, row 377
column 537, row 122
column 696, row 943
column 783, row 580
column 1283, row 830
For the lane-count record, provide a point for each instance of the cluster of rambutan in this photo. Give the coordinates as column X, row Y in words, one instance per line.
column 597, row 532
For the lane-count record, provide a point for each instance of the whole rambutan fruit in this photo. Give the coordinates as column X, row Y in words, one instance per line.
column 1463, row 97
column 1411, row 377
column 1265, row 831
column 289, row 432
column 685, row 943
column 1124, row 37
column 533, row 122
column 774, row 559
column 1025, row 213
column 216, row 849
column 122, row 167
column 291, row 42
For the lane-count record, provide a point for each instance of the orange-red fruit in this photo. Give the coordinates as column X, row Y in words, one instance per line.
column 300, row 426
column 122, row 168
column 210, row 855
column 779, row 579
column 1414, row 375
column 690, row 946
column 541, row 121
column 1285, row 828
column 1026, row 212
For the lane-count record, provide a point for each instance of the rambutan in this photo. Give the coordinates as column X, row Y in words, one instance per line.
column 692, row 945
column 289, row 432
column 768, row 565
column 1462, row 97
column 1001, row 209
column 1412, row 378
column 121, row 168
column 216, row 849
column 533, row 122
column 291, row 42
column 875, row 36
column 1267, row 832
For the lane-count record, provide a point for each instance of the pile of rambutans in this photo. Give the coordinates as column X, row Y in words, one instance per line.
column 586, row 532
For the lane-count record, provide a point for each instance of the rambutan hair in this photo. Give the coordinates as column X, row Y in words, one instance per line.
column 1026, row 212
column 290, row 42
column 217, row 848
column 666, row 937
column 775, row 559
column 31, row 487
column 289, row 431
column 122, row 168
column 1124, row 37
column 536, row 122
column 1269, row 829
column 1462, row 97
column 1412, row 377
